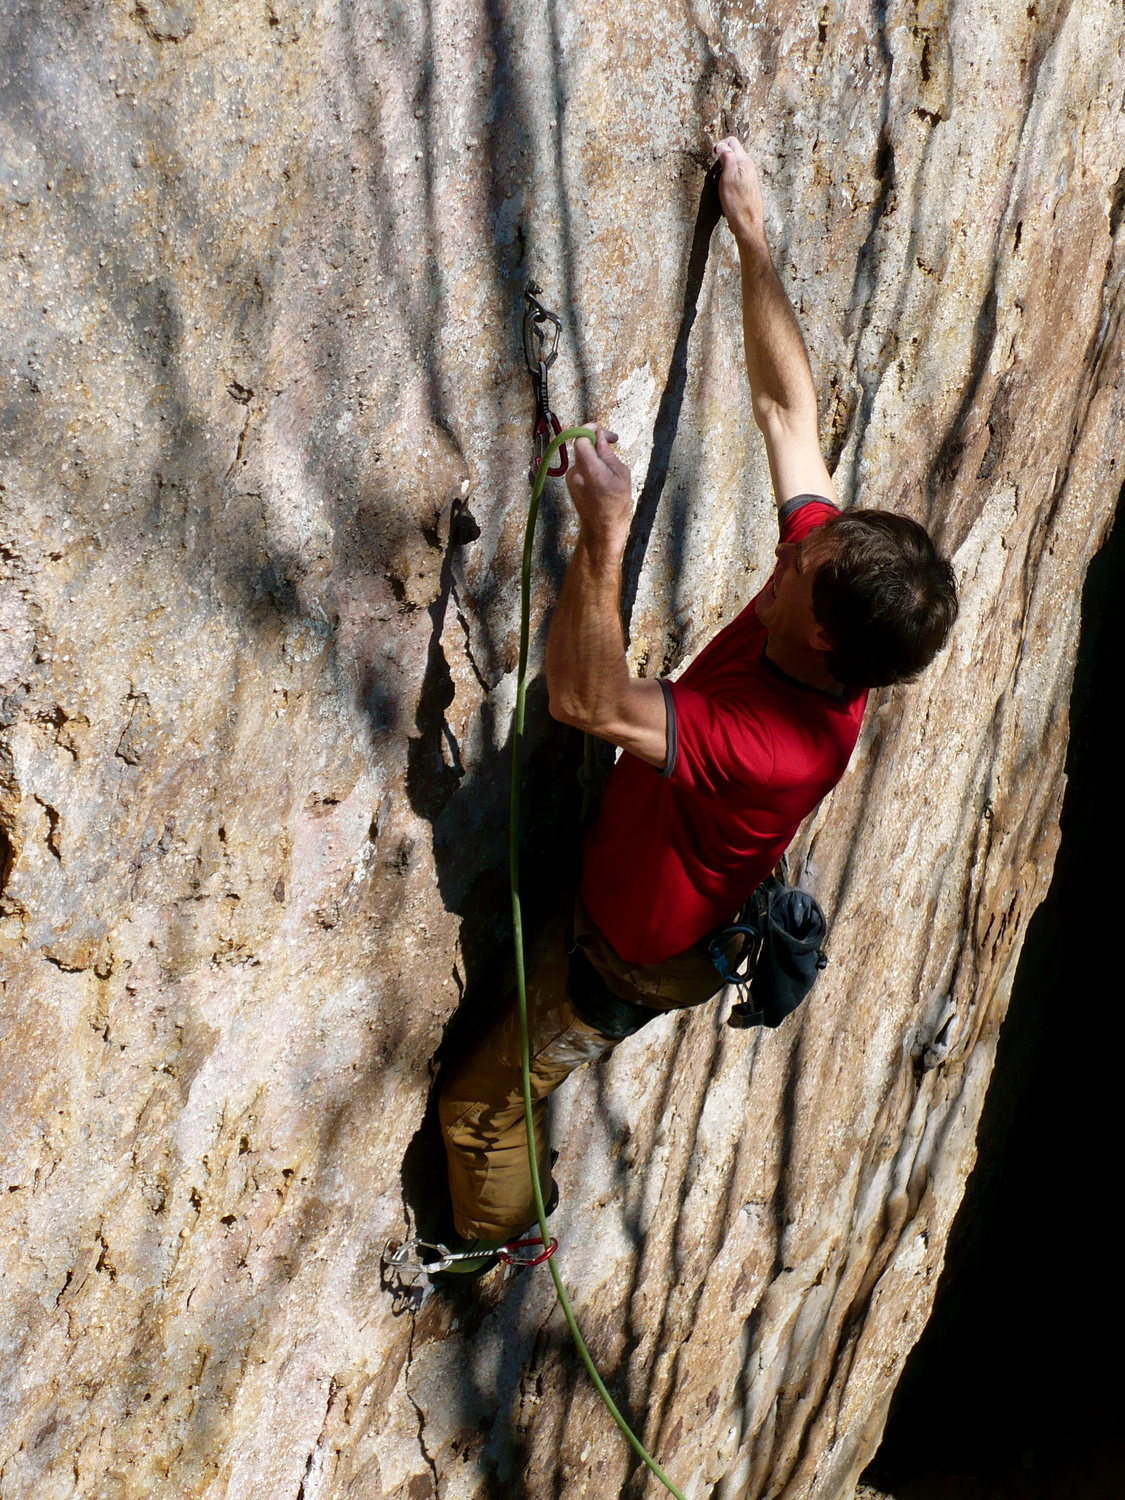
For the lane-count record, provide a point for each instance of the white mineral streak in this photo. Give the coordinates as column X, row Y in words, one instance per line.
column 263, row 272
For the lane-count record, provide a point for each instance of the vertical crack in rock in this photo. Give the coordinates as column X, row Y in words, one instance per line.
column 435, row 768
column 485, row 685
column 672, row 397
column 7, row 857
column 419, row 1411
column 311, row 1487
column 243, row 395
column 561, row 90
column 53, row 823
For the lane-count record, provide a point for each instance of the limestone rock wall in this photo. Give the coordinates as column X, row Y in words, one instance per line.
column 265, row 428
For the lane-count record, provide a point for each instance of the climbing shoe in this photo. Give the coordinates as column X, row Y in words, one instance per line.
column 479, row 1256
column 472, row 1265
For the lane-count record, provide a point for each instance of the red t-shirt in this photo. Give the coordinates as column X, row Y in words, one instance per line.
column 673, row 854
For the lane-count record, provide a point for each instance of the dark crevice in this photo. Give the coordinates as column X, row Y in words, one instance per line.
column 1019, row 1356
column 7, row 859
column 672, row 398
column 862, row 300
column 1117, row 204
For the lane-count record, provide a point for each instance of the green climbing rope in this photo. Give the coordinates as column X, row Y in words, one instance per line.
column 569, row 436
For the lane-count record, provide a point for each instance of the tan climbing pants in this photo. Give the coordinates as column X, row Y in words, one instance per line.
column 481, row 1105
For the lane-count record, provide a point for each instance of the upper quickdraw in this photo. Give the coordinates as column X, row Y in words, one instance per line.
column 541, row 330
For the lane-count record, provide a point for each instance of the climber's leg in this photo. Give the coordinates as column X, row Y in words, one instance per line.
column 481, row 1105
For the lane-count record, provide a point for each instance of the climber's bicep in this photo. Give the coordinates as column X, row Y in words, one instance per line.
column 797, row 465
column 636, row 720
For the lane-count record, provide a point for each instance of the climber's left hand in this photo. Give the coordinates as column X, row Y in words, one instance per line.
column 740, row 189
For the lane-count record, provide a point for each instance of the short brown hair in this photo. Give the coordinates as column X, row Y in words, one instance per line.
column 884, row 597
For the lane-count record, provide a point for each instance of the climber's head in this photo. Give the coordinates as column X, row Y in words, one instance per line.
column 883, row 596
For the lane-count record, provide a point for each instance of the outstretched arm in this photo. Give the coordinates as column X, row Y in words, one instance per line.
column 588, row 677
column 781, row 384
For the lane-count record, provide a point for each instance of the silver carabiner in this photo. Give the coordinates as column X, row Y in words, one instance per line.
column 541, row 331
column 406, row 1256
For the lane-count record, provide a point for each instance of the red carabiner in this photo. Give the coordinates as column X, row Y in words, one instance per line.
column 509, row 1254
column 546, row 428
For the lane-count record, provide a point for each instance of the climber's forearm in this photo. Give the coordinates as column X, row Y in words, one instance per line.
column 586, row 667
column 588, row 678
column 776, row 362
column 782, row 392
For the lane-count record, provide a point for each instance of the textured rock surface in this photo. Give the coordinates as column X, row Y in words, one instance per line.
column 265, row 426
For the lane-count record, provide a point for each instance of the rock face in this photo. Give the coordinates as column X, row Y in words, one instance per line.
column 266, row 429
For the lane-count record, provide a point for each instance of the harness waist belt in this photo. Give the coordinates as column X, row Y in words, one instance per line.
column 599, row 1007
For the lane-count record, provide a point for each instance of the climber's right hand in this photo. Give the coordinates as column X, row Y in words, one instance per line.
column 740, row 189
column 601, row 487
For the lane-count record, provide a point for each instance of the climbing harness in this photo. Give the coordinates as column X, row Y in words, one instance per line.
column 541, row 331
column 413, row 1258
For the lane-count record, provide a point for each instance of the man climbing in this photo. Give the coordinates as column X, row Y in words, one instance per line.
column 719, row 767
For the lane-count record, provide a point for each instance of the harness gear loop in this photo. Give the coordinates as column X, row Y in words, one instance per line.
column 743, row 970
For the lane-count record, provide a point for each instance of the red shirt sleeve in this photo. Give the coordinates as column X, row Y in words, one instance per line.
column 804, row 513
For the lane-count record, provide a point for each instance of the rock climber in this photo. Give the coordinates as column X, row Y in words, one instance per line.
column 718, row 767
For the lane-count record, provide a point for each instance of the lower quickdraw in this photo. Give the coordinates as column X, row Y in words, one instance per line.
column 426, row 1258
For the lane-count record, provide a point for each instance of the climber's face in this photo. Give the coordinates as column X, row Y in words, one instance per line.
column 785, row 604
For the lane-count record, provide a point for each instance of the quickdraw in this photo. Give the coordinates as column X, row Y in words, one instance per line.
column 409, row 1257
column 541, row 330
